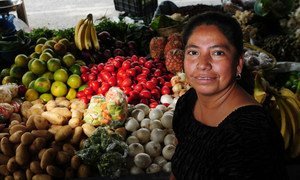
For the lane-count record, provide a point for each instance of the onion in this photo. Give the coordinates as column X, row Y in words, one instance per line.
column 155, row 124
column 166, row 120
column 166, row 99
column 161, row 161
column 181, row 75
column 155, row 114
column 132, row 124
column 162, row 107
column 153, row 168
column 153, row 149
column 136, row 170
column 176, row 88
column 143, row 135
column 138, row 114
column 145, row 123
column 170, row 139
column 167, row 167
column 142, row 160
column 135, row 148
column 174, row 80
column 168, row 151
column 158, row 135
column 143, row 107
column 132, row 139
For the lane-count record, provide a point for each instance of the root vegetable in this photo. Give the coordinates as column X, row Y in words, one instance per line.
column 153, row 148
column 167, row 120
column 153, row 168
column 158, row 135
column 50, row 105
column 12, row 165
column 54, row 171
column 142, row 160
column 76, row 114
column 57, row 145
column 30, row 123
column 27, row 138
column 132, row 124
column 54, row 118
column 22, row 155
column 17, row 127
column 42, row 133
column 145, row 123
column 54, row 128
column 75, row 162
column 29, row 174
column 16, row 137
column 168, row 151
column 40, row 154
column 63, row 133
column 35, row 167
column 143, row 107
column 155, row 124
column 15, row 116
column 155, row 114
column 162, row 107
column 63, row 111
column 3, row 170
column 62, row 158
column 136, row 170
column 6, row 147
column 143, row 135
column 135, row 148
column 40, row 122
column 69, row 149
column 84, row 171
column 77, row 135
column 63, row 103
column 122, row 132
column 25, row 106
column 3, row 135
column 78, row 105
column 9, row 178
column 88, row 129
column 170, row 139
column 69, row 173
column 37, row 144
column 132, row 139
column 42, row 177
column 161, row 161
column 75, row 122
column 167, row 167
column 3, row 159
column 138, row 114
column 166, row 99
column 48, row 157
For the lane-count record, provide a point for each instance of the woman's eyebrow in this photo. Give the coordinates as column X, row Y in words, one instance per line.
column 224, row 46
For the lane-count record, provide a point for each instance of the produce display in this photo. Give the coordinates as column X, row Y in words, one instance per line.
column 98, row 99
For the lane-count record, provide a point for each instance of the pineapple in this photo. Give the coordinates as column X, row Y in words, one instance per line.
column 157, row 45
column 174, row 60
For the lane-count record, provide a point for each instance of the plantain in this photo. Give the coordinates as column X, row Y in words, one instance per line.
column 80, row 22
column 81, row 35
column 284, row 127
column 289, row 94
column 259, row 89
column 87, row 36
column 94, row 38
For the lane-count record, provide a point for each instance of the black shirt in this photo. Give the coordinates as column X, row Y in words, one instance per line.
column 245, row 145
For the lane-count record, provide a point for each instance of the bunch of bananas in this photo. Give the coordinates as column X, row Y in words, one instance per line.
column 85, row 36
column 286, row 112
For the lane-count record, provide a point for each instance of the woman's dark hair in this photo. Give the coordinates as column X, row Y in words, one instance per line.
column 227, row 25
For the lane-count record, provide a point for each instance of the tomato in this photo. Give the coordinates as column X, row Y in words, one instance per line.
column 84, row 69
column 148, row 64
column 134, row 94
column 154, row 80
column 157, row 73
column 85, row 77
column 153, row 104
column 92, row 77
column 109, row 67
column 168, row 84
column 100, row 67
column 127, row 90
column 112, row 81
column 80, row 94
column 126, row 82
column 145, row 94
column 95, row 85
column 85, row 100
column 116, row 63
column 141, row 77
column 105, row 75
column 138, row 87
column 150, row 85
column 142, row 60
column 161, row 81
column 104, row 87
column 131, row 72
column 144, row 101
column 133, row 64
column 94, row 70
column 119, row 58
column 88, row 91
column 165, row 90
column 155, row 93
column 145, row 71
column 121, row 73
column 134, row 58
column 126, row 64
column 138, row 69
column 89, row 97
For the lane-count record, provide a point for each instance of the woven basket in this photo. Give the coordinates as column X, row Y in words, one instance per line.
column 165, row 32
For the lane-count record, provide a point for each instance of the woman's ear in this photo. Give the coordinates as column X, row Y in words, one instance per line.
column 240, row 65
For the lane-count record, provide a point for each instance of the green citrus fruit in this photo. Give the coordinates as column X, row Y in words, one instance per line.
column 45, row 56
column 75, row 69
column 38, row 48
column 42, row 84
column 38, row 66
column 4, row 72
column 46, row 97
column 34, row 55
column 71, row 94
column 53, row 64
column 59, row 89
column 65, row 41
column 31, row 85
column 8, row 79
column 21, row 60
column 27, row 78
column 61, row 75
column 48, row 75
column 80, row 62
column 16, row 72
column 74, row 81
column 50, row 43
column 41, row 40
column 69, row 60
column 31, row 95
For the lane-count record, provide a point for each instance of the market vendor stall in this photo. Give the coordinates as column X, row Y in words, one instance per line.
column 97, row 100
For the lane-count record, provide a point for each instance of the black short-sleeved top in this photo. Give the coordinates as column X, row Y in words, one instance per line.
column 246, row 145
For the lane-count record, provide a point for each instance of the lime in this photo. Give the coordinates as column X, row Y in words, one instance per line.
column 50, row 43
column 80, row 62
column 46, row 97
column 38, row 66
column 8, row 79
column 61, row 75
column 21, row 60
column 4, row 72
column 69, row 59
column 16, row 72
column 48, row 75
column 27, row 78
column 31, row 95
column 42, row 84
column 45, row 56
column 71, row 94
column 38, row 48
column 59, row 89
column 75, row 69
column 41, row 40
column 53, row 64
column 31, row 84
column 82, row 87
column 34, row 55
column 74, row 81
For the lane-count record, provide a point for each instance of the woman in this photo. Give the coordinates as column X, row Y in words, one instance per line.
column 222, row 132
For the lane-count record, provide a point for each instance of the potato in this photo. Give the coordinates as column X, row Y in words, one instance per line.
column 35, row 167
column 43, row 133
column 13, row 122
column 6, row 147
column 54, row 118
column 3, row 159
column 50, row 105
column 3, row 135
column 54, row 128
column 12, row 165
column 17, row 127
column 76, row 114
column 9, row 178
column 62, row 158
column 69, row 173
column 37, row 101
column 58, row 99
column 37, row 109
column 3, row 170
column 29, row 174
column 78, row 105
column 40, row 154
column 15, row 117
column 69, row 149
column 48, row 157
column 22, row 155
column 57, row 145
column 63, row 111
column 75, row 162
column 88, row 129
column 63, row 103
column 76, row 135
column 30, row 123
column 38, row 144
column 16, row 137
column 55, row 171
column 84, row 171
column 25, row 106
column 63, row 133
column 40, row 122
column 27, row 138
column 19, row 175
column 75, row 122
column 41, row 177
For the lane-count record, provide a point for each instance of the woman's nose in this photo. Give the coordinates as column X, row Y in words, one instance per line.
column 204, row 62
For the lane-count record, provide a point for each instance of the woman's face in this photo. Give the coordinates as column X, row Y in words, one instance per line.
column 209, row 61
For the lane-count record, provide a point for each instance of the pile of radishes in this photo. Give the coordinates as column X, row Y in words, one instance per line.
column 152, row 141
column 142, row 80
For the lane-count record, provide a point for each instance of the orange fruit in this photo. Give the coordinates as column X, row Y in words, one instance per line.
column 38, row 48
column 45, row 56
column 31, row 95
column 71, row 94
column 61, row 75
column 53, row 64
column 42, row 84
column 27, row 78
column 59, row 89
column 16, row 72
column 48, row 75
column 46, row 97
column 74, row 81
column 69, row 59
column 31, row 85
column 38, row 66
column 21, row 60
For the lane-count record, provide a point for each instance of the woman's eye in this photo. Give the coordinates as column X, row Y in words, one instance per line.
column 192, row 53
column 218, row 53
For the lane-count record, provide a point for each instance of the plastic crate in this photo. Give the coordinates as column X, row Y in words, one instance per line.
column 137, row 8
